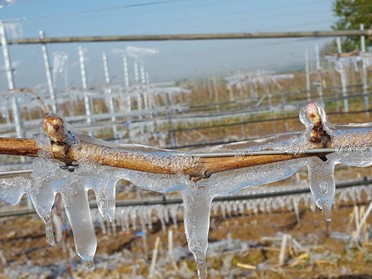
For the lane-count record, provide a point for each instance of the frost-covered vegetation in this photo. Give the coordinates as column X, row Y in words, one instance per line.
column 95, row 166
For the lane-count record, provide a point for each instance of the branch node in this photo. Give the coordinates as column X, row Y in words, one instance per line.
column 70, row 167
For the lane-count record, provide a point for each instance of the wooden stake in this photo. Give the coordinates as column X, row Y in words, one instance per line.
column 154, row 256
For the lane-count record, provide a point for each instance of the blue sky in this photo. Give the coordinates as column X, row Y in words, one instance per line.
column 175, row 59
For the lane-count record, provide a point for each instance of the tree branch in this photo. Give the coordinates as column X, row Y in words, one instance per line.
column 69, row 147
column 20, row 147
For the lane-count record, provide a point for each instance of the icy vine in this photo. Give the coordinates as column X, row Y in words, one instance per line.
column 71, row 163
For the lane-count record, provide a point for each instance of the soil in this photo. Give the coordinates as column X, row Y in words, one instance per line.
column 316, row 248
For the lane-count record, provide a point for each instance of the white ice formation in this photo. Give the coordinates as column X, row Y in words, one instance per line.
column 352, row 145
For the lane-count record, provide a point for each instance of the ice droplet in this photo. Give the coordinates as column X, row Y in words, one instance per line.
column 90, row 265
column 58, row 227
column 49, row 231
column 42, row 197
column 322, row 184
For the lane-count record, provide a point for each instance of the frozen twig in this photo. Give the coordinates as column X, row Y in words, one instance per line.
column 363, row 221
column 283, row 249
column 154, row 257
column 28, row 91
column 170, row 250
column 69, row 147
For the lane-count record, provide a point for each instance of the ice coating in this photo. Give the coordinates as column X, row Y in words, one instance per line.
column 353, row 145
column 73, row 179
column 322, row 184
column 78, row 213
column 229, row 182
column 12, row 189
column 49, row 179
column 104, row 190
column 42, row 197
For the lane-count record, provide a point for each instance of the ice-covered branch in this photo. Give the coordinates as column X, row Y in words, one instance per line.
column 30, row 92
column 67, row 145
column 220, row 170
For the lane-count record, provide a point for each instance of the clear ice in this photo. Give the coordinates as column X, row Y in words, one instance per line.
column 322, row 184
column 352, row 144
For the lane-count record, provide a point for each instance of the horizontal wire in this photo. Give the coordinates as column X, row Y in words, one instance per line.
column 263, row 152
column 17, row 172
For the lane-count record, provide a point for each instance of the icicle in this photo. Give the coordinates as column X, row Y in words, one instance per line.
column 223, row 209
column 149, row 217
column 78, row 212
column 165, row 214
column 261, row 205
column 43, row 199
column 113, row 227
column 12, row 189
column 269, row 205
column 133, row 217
column 196, row 218
column 102, row 224
column 120, row 217
column 228, row 207
column 173, row 212
column 160, row 211
column 234, row 207
column 142, row 218
column 296, row 208
column 104, row 190
column 322, row 184
column 126, row 218
column 240, row 207
column 49, row 231
column 58, row 227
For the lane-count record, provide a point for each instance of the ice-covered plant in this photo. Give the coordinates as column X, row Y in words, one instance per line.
column 71, row 163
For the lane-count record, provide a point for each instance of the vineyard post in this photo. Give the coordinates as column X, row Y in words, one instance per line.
column 319, row 72
column 48, row 73
column 88, row 111
column 307, row 75
column 143, row 86
column 136, row 75
column 364, row 69
column 10, row 78
column 106, row 70
column 126, row 75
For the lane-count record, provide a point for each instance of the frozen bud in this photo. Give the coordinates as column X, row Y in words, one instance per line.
column 54, row 127
column 314, row 118
column 312, row 115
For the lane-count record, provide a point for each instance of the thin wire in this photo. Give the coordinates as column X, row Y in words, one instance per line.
column 263, row 153
column 257, row 121
column 247, row 19
column 17, row 172
column 113, row 8
column 219, row 15
column 250, row 196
